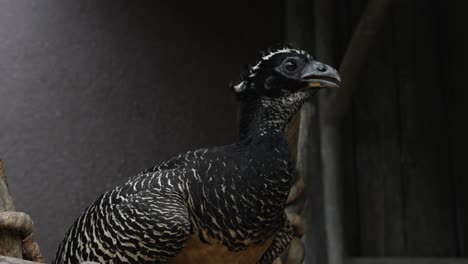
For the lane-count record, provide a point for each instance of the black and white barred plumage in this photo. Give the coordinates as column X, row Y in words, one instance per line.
column 232, row 197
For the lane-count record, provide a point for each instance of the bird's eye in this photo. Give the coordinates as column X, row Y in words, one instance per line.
column 290, row 65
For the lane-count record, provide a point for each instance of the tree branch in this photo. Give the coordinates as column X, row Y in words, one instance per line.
column 10, row 240
column 16, row 228
column 8, row 260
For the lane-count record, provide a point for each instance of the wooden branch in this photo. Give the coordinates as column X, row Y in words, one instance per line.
column 6, row 203
column 296, row 252
column 10, row 240
column 16, row 228
column 297, row 222
column 18, row 222
column 8, row 260
column 296, row 190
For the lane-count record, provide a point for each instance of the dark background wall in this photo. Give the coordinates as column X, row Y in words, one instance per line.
column 404, row 138
column 92, row 92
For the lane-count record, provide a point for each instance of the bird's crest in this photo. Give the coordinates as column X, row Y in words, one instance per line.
column 251, row 71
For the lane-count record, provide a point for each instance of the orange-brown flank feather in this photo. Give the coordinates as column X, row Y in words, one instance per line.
column 197, row 252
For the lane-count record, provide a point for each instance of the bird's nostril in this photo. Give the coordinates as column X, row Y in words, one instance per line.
column 321, row 67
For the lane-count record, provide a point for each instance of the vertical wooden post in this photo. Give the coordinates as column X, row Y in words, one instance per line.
column 326, row 49
column 318, row 150
column 300, row 33
column 333, row 106
column 355, row 58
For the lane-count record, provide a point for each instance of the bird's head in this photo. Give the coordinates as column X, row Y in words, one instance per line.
column 279, row 83
column 283, row 71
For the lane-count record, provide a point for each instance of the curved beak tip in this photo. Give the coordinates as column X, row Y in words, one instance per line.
column 328, row 77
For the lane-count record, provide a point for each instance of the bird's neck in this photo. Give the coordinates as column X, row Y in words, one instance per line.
column 266, row 117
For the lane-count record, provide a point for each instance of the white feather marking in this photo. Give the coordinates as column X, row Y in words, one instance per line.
column 239, row 87
column 285, row 50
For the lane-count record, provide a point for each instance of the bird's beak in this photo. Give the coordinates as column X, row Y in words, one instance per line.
column 320, row 75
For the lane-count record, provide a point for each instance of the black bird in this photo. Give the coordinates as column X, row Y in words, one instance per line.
column 216, row 205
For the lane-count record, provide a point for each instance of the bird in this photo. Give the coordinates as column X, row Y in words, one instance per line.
column 212, row 205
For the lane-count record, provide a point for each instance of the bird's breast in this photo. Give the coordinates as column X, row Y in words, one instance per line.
column 214, row 252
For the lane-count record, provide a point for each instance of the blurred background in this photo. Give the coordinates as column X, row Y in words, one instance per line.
column 92, row 92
